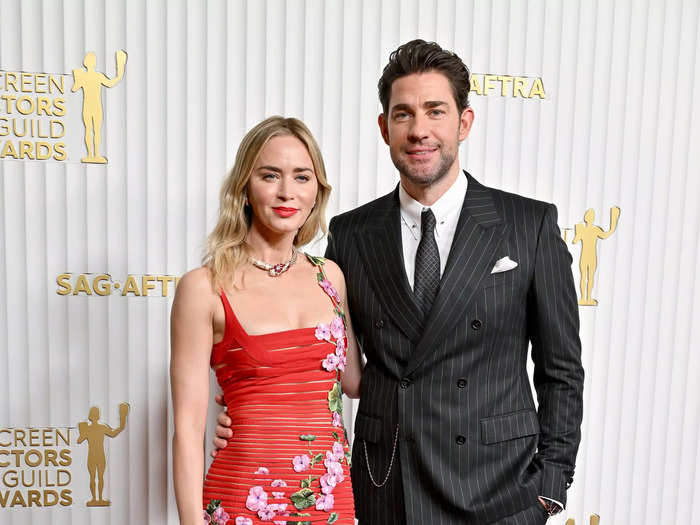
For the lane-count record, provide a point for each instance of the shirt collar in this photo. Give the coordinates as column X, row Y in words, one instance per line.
column 448, row 202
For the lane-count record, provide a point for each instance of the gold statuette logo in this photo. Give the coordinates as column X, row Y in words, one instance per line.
column 91, row 82
column 594, row 520
column 94, row 433
column 588, row 234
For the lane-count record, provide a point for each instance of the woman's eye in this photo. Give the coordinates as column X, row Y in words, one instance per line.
column 303, row 178
column 269, row 176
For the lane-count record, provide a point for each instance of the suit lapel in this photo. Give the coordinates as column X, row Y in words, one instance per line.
column 382, row 251
column 479, row 233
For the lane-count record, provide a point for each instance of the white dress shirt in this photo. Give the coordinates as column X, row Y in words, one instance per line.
column 446, row 210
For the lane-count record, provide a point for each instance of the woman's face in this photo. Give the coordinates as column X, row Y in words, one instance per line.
column 283, row 186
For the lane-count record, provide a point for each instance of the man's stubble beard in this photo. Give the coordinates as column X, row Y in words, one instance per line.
column 447, row 158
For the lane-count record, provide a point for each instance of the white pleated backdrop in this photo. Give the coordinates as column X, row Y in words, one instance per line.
column 619, row 125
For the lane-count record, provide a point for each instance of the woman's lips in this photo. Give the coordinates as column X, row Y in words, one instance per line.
column 285, row 212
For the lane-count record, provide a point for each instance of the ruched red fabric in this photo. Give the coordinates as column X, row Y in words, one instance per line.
column 278, row 395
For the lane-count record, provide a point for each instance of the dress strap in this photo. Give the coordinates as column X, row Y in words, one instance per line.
column 327, row 286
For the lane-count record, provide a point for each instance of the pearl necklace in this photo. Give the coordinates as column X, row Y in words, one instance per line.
column 275, row 269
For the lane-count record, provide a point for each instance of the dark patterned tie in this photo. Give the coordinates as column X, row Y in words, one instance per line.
column 426, row 278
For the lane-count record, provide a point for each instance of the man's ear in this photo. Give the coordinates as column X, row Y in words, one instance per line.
column 466, row 119
column 383, row 127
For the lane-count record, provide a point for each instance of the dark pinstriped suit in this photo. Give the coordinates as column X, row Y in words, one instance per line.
column 472, row 448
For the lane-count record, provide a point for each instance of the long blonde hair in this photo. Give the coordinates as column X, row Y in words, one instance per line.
column 226, row 250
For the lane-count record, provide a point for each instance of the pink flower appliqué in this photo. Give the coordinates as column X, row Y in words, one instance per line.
column 338, row 451
column 242, row 520
column 301, row 463
column 262, row 470
column 331, row 362
column 342, row 361
column 220, row 516
column 276, row 484
column 206, row 517
column 333, row 467
column 340, row 347
column 328, row 288
column 257, row 499
column 266, row 514
column 337, row 420
column 337, row 327
column 328, row 483
column 323, row 332
column 325, row 502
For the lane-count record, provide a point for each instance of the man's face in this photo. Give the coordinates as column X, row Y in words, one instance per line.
column 423, row 127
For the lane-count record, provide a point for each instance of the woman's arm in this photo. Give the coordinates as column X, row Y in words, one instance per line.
column 191, row 335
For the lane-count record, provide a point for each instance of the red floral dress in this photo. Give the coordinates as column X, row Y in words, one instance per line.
column 287, row 461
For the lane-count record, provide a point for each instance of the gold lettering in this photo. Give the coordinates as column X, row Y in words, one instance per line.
column 146, row 285
column 489, row 83
column 13, row 478
column 8, row 98
column 64, row 287
column 537, row 89
column 3, row 498
column 26, row 82
column 19, row 437
column 50, row 457
column 4, row 127
column 67, row 478
column 11, row 81
column 9, row 149
column 25, row 475
column 66, row 498
column 519, row 87
column 4, row 464
column 65, row 457
column 60, row 149
column 57, row 81
column 59, row 107
column 504, row 84
column 18, row 499
column 29, row 100
column 16, row 131
column 43, row 105
column 33, row 463
column 5, row 431
column 34, row 437
column 64, row 438
column 101, row 290
column 40, row 82
column 475, row 86
column 131, row 287
column 56, row 134
column 26, row 148
column 82, row 285
column 165, row 279
column 34, row 496
column 43, row 150
column 53, row 494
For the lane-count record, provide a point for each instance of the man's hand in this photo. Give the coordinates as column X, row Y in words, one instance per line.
column 223, row 427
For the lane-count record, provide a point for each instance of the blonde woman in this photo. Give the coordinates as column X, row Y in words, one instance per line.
column 272, row 323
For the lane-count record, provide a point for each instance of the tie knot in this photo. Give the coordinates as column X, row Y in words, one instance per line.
column 427, row 222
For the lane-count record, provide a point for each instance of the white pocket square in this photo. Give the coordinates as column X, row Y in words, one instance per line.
column 503, row 265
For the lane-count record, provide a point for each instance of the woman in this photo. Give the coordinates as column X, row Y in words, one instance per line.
column 272, row 324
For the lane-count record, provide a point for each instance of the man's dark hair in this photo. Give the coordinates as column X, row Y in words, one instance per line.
column 419, row 56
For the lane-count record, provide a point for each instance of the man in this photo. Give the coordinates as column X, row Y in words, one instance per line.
column 448, row 281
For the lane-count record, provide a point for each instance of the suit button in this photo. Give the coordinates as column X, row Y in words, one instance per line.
column 404, row 383
column 379, row 324
column 476, row 324
column 461, row 383
column 461, row 440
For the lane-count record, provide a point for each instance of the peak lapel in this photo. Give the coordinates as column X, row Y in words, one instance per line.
column 479, row 233
column 382, row 252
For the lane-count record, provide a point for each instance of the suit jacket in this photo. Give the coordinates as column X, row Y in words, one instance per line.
column 451, row 393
